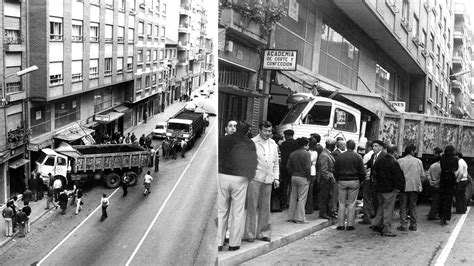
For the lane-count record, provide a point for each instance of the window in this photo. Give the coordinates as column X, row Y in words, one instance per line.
column 344, row 121
column 108, row 33
column 121, row 4
column 148, row 55
column 76, row 70
column 140, row 56
column 430, row 89
column 12, row 37
column 13, row 87
column 66, row 112
column 163, row 32
column 102, row 99
column 131, row 35
column 438, row 54
column 416, row 26
column 61, row 161
column 436, row 94
column 147, row 81
column 94, row 68
column 94, row 33
column 432, row 43
column 405, row 8
column 157, row 31
column 163, row 9
column 55, row 29
column 162, row 55
column 109, row 3
column 108, row 66
column 138, row 84
column 339, row 59
column 76, row 30
column 153, row 79
column 155, row 55
column 318, row 115
column 119, row 64
column 49, row 161
column 382, row 82
column 141, row 28
column 130, row 63
column 131, row 4
column 149, row 29
column 55, row 73
column 120, row 33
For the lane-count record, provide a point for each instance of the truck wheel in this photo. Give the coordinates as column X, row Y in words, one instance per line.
column 112, row 180
column 133, row 178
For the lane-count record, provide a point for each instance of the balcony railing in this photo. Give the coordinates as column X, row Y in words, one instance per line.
column 18, row 136
column 12, row 40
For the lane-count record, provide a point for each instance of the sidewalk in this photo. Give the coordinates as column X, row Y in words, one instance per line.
column 283, row 233
column 38, row 208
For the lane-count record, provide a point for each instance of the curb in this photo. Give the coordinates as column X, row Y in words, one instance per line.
column 259, row 248
column 17, row 232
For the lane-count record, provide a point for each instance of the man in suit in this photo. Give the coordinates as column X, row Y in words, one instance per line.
column 370, row 196
column 286, row 148
column 325, row 166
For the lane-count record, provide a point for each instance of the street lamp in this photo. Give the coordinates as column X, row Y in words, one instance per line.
column 18, row 74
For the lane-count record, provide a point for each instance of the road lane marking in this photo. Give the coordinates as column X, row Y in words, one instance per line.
column 449, row 245
column 166, row 200
column 75, row 229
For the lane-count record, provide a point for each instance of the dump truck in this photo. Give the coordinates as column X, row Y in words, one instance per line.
column 331, row 119
column 85, row 163
column 187, row 125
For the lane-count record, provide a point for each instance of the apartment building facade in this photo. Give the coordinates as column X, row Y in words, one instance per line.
column 461, row 86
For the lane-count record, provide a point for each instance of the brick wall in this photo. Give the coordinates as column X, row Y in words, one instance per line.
column 38, row 40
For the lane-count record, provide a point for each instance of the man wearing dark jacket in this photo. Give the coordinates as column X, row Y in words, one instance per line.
column 325, row 175
column 349, row 171
column 389, row 181
column 237, row 165
column 286, row 148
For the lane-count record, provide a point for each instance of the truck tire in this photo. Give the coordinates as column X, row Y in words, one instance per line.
column 133, row 178
column 112, row 180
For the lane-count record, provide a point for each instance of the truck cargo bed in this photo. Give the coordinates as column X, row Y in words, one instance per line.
column 108, row 148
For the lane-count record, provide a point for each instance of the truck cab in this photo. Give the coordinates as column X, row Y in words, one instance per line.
column 314, row 114
column 52, row 162
column 179, row 128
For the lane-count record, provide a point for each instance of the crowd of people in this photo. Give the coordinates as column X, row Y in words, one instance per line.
column 270, row 173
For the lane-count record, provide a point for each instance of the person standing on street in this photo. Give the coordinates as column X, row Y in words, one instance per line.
column 157, row 160
column 63, row 199
column 413, row 171
column 299, row 167
column 27, row 210
column 27, row 196
column 147, row 182
column 21, row 221
column 258, row 222
column 125, row 184
column 349, row 171
column 7, row 215
column 39, row 187
column 286, row 148
column 389, row 181
column 74, row 192
column 461, row 180
column 447, row 183
column 50, row 199
column 33, row 187
column 367, row 187
column 325, row 172
column 371, row 197
column 310, row 206
column 237, row 165
column 79, row 195
column 434, row 173
column 105, row 203
column 57, row 186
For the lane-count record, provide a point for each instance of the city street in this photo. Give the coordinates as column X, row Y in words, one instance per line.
column 173, row 224
column 365, row 247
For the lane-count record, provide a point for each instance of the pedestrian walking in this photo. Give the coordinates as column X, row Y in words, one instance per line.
column 145, row 117
column 413, row 171
column 237, row 165
column 63, row 199
column 105, row 203
column 74, row 192
column 389, row 181
column 184, row 147
column 325, row 166
column 349, row 172
column 21, row 221
column 57, row 186
column 15, row 209
column 258, row 221
column 157, row 160
column 461, row 184
column 152, row 157
column 39, row 186
column 50, row 199
column 27, row 210
column 27, row 196
column 79, row 201
column 447, row 183
column 299, row 167
column 33, row 187
column 125, row 184
column 7, row 215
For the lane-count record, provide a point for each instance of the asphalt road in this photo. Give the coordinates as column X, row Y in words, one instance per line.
column 172, row 225
column 365, row 247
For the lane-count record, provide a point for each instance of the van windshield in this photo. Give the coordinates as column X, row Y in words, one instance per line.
column 159, row 127
column 294, row 112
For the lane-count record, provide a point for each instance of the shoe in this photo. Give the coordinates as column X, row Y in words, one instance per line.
column 266, row 239
column 290, row 221
column 324, row 217
column 376, row 228
column 401, row 228
column 249, row 240
column 389, row 234
column 412, row 228
column 433, row 218
column 340, row 228
column 443, row 222
column 300, row 222
column 219, row 248
column 350, row 228
column 226, row 241
column 234, row 248
column 365, row 222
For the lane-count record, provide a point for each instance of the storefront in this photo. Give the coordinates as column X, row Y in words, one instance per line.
column 75, row 135
column 110, row 122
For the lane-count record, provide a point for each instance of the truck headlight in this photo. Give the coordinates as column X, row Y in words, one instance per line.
column 168, row 134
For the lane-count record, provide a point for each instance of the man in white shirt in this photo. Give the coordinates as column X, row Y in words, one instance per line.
column 462, row 180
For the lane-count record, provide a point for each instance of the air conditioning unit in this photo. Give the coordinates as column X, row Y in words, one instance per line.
column 229, row 46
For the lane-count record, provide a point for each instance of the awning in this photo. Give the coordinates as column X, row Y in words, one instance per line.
column 296, row 81
column 121, row 109
column 371, row 103
column 91, row 124
column 68, row 150
column 18, row 163
column 108, row 117
column 74, row 133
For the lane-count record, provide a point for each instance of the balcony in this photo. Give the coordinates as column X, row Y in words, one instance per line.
column 13, row 43
column 458, row 60
column 17, row 137
column 184, row 27
column 241, row 27
column 185, row 10
column 456, row 86
column 183, row 46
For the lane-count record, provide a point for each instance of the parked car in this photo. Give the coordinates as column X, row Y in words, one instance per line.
column 160, row 130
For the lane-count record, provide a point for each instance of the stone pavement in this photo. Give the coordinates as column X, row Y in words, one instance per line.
column 38, row 208
column 283, row 233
